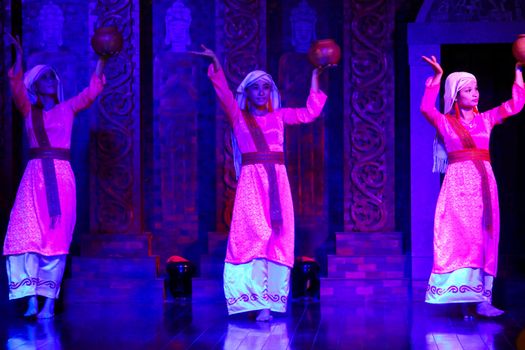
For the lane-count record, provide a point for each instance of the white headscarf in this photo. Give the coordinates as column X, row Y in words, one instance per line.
column 453, row 85
column 275, row 100
column 33, row 74
column 250, row 79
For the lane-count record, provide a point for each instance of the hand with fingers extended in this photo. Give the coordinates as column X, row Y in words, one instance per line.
column 436, row 67
column 15, row 41
column 208, row 53
column 316, row 73
column 519, row 74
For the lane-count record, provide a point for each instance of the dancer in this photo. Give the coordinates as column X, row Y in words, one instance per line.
column 466, row 223
column 43, row 216
column 260, row 249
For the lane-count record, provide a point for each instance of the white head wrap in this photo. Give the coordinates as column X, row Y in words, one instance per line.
column 453, row 85
column 251, row 78
column 33, row 74
column 275, row 100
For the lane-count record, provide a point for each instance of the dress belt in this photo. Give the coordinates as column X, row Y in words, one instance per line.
column 262, row 158
column 50, row 153
column 468, row 154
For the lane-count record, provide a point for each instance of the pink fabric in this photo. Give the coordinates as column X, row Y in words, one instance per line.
column 251, row 234
column 459, row 239
column 29, row 225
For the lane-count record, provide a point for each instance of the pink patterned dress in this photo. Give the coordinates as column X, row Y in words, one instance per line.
column 259, row 258
column 29, row 228
column 465, row 253
column 251, row 233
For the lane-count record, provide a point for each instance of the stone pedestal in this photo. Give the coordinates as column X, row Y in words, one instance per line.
column 367, row 266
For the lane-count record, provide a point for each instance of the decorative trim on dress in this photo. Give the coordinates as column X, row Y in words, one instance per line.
column 461, row 289
column 33, row 281
column 254, row 297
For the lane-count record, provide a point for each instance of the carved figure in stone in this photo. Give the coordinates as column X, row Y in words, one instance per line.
column 303, row 20
column 178, row 21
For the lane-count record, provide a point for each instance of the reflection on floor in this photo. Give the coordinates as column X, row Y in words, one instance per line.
column 205, row 325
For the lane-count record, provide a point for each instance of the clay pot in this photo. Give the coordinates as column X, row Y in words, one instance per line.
column 518, row 48
column 107, row 41
column 324, row 52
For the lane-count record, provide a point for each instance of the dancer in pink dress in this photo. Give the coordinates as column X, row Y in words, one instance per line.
column 43, row 216
column 260, row 249
column 466, row 223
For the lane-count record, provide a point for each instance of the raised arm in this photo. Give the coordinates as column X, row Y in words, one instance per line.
column 428, row 102
column 314, row 107
column 16, row 80
column 314, row 104
column 89, row 94
column 220, row 84
column 211, row 55
column 99, row 71
column 515, row 104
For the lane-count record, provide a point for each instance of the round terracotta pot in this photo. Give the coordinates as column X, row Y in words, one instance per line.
column 107, row 41
column 324, row 52
column 518, row 48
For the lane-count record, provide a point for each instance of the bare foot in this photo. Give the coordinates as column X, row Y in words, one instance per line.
column 487, row 310
column 467, row 309
column 264, row 316
column 48, row 311
column 32, row 306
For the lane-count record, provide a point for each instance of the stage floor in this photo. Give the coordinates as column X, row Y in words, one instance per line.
column 204, row 324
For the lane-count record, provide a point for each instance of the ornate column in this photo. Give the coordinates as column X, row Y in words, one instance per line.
column 115, row 155
column 241, row 45
column 6, row 127
column 116, row 186
column 369, row 261
column 369, row 116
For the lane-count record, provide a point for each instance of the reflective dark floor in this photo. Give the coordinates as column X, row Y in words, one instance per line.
column 205, row 325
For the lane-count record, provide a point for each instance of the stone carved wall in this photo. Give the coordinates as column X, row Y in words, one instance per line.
column 369, row 117
column 175, row 118
column 6, row 154
column 478, row 11
column 53, row 34
column 241, row 43
column 116, row 204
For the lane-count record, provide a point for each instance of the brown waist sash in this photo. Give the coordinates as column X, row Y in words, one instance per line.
column 276, row 217
column 468, row 154
column 50, row 153
column 475, row 155
column 48, row 165
column 262, row 158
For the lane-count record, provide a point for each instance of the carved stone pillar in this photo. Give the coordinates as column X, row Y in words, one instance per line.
column 116, row 182
column 369, row 116
column 241, row 46
column 368, row 164
column 6, row 127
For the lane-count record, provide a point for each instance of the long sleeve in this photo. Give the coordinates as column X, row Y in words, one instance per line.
column 19, row 92
column 224, row 94
column 510, row 107
column 88, row 95
column 314, row 107
column 428, row 102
